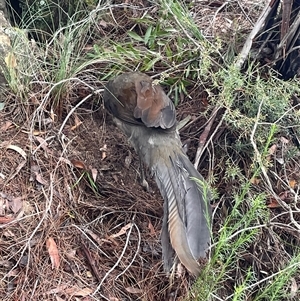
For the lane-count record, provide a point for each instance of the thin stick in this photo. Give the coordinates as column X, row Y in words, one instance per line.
column 248, row 44
column 117, row 262
column 203, row 142
column 137, row 251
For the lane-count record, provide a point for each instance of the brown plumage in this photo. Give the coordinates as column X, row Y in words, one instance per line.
column 147, row 116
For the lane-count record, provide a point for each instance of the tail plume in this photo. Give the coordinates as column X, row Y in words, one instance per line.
column 186, row 217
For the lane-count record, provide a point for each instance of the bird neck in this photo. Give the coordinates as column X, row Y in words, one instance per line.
column 151, row 143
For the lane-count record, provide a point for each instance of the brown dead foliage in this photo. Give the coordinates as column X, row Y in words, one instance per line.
column 62, row 236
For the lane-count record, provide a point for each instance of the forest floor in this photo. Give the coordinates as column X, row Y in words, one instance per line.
column 77, row 225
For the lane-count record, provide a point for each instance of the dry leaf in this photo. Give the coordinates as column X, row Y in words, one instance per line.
column 284, row 140
column 34, row 169
column 74, row 291
column 103, row 23
column 58, row 289
column 40, row 179
column 6, row 125
column 151, row 228
column 6, row 219
column 272, row 149
column 273, row 204
column 110, row 298
column 20, row 214
column 110, row 240
column 133, row 290
column 36, row 176
column 179, row 270
column 28, row 208
column 280, row 160
column 255, row 181
column 10, row 61
column 16, row 204
column 94, row 236
column 83, row 292
column 103, row 150
column 78, row 164
column 128, row 160
column 78, row 122
column 53, row 253
column 71, row 254
column 94, row 172
column 292, row 184
column 122, row 231
column 294, row 288
column 284, row 195
column 17, row 149
column 38, row 133
column 43, row 143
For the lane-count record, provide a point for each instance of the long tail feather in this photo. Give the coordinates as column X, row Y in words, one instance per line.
column 186, row 222
column 185, row 208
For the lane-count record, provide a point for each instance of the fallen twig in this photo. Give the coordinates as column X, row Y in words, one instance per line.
column 91, row 261
column 257, row 27
column 203, row 142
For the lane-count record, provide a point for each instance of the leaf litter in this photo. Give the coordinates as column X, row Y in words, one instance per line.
column 65, row 211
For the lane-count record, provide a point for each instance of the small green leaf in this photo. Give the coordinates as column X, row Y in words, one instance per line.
column 148, row 34
column 161, row 43
column 135, row 36
column 169, row 51
column 187, row 71
column 2, row 106
column 149, row 65
column 96, row 49
column 182, row 88
column 171, row 29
